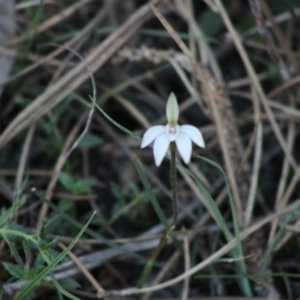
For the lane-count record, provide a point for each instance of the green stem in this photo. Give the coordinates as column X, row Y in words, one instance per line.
column 174, row 185
column 166, row 235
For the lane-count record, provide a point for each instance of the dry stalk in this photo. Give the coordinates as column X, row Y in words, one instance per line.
column 75, row 77
column 270, row 290
column 25, row 5
column 84, row 270
column 166, row 268
column 283, row 41
column 291, row 126
column 256, row 84
column 257, row 8
column 23, row 159
column 225, row 249
column 187, row 262
column 49, row 58
column 48, row 24
column 266, row 36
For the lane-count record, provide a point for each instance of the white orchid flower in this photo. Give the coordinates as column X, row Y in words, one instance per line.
column 182, row 135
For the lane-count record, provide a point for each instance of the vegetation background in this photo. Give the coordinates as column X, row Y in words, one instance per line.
column 81, row 81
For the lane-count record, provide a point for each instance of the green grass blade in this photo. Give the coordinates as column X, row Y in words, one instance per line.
column 47, row 269
column 90, row 232
column 240, row 264
column 9, row 213
column 277, row 236
column 62, row 290
column 133, row 135
column 151, row 195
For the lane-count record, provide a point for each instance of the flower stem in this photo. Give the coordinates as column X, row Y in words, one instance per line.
column 164, row 239
column 174, row 185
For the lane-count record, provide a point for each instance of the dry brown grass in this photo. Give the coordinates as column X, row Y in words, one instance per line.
column 249, row 118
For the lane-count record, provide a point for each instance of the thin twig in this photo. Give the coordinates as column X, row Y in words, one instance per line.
column 225, row 249
column 263, row 31
column 85, row 271
column 256, row 163
column 23, row 159
column 187, row 261
column 256, row 84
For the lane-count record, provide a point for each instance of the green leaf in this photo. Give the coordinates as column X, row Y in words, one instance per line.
column 66, row 180
column 83, row 186
column 53, row 243
column 133, row 135
column 15, row 270
column 50, row 225
column 28, row 275
column 90, row 141
column 19, row 228
column 210, row 22
column 14, row 252
column 26, row 248
column 62, row 290
column 66, row 205
column 240, row 264
column 52, row 254
column 90, row 232
column 270, row 249
column 99, row 220
column 67, row 283
column 50, row 267
column 39, row 264
column 118, row 192
column 151, row 195
column 7, row 214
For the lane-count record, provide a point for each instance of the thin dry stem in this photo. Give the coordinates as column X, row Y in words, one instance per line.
column 166, row 268
column 257, row 161
column 85, row 271
column 256, row 84
column 263, row 31
column 48, row 24
column 74, row 78
column 187, row 261
column 225, row 249
column 24, row 157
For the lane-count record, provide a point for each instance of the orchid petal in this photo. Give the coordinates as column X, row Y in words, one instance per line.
column 151, row 134
column 193, row 133
column 172, row 110
column 160, row 148
column 184, row 146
